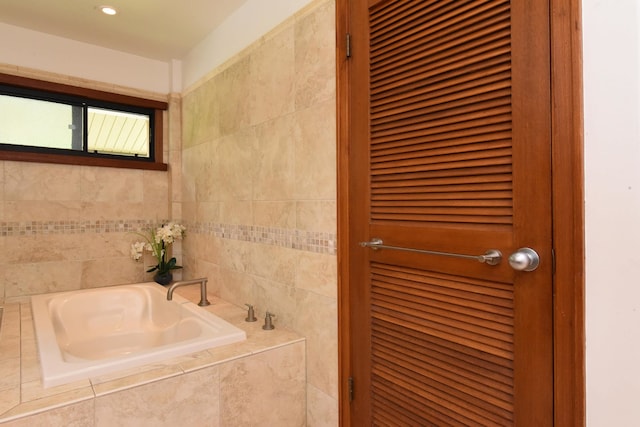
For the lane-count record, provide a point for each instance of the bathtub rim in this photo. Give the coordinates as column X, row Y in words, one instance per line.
column 54, row 370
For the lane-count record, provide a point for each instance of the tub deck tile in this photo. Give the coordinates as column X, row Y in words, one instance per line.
column 195, row 361
column 123, row 380
column 10, row 332
column 9, row 373
column 25, row 397
column 33, row 390
column 9, row 399
column 31, row 407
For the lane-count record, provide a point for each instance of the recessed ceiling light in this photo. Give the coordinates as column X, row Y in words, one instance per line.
column 108, row 10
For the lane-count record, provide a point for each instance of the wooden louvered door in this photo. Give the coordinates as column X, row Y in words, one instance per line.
column 449, row 134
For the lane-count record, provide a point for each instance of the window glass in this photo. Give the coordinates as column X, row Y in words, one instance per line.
column 89, row 127
column 51, row 122
column 117, row 132
column 38, row 123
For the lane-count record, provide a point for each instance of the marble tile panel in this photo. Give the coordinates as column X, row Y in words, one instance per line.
column 175, row 210
column 110, row 271
column 273, row 76
column 276, row 298
column 189, row 211
column 234, row 166
column 200, row 107
column 235, row 86
column 197, row 361
column 113, row 185
column 9, row 399
column 188, row 181
column 39, row 248
column 264, row 389
column 315, row 152
column 97, row 210
column 316, row 215
column 315, row 56
column 322, row 409
column 155, row 187
column 29, row 357
column 30, row 361
column 234, row 255
column 173, row 121
column 76, row 415
column 273, row 263
column 10, row 332
column 211, row 271
column 275, row 172
column 236, row 212
column 33, row 390
column 236, row 287
column 43, row 210
column 316, row 318
column 258, row 341
column 38, row 181
column 200, row 246
column 9, row 373
column 205, row 169
column 278, row 214
column 47, row 402
column 208, row 211
column 67, row 247
column 190, row 400
column 317, row 273
column 38, row 278
column 127, row 378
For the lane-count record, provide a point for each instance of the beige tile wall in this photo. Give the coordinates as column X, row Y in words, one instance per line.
column 259, row 187
column 67, row 227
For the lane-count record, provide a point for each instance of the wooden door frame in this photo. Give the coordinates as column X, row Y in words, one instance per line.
column 567, row 213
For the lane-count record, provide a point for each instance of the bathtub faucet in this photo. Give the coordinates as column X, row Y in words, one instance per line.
column 203, row 289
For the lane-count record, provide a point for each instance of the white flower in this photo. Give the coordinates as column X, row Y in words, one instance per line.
column 136, row 250
column 158, row 243
column 169, row 233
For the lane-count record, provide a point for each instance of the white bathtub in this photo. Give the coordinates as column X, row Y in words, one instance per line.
column 91, row 332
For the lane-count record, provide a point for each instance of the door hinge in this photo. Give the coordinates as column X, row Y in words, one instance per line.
column 348, row 45
column 350, row 388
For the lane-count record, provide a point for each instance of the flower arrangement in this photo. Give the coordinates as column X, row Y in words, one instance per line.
column 158, row 242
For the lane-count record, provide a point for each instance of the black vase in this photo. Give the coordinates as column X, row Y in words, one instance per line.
column 163, row 278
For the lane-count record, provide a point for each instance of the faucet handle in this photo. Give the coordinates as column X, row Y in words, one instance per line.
column 251, row 315
column 268, row 323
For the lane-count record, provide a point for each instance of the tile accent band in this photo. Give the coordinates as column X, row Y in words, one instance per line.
column 310, row 241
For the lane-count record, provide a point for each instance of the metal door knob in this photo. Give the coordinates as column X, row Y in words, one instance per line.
column 524, row 259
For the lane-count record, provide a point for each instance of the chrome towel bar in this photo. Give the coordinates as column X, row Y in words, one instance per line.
column 491, row 257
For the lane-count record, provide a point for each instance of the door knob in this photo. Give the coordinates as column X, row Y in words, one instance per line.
column 524, row 259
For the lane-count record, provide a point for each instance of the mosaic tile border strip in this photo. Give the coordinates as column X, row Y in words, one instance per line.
column 32, row 228
column 310, row 241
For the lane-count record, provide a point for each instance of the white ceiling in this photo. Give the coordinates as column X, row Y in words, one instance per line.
column 157, row 29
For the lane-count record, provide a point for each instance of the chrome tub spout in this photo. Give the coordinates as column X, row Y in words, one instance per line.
column 203, row 289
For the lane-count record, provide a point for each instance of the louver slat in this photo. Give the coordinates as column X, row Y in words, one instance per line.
column 462, row 329
column 441, row 102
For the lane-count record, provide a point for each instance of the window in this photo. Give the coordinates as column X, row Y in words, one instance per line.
column 50, row 122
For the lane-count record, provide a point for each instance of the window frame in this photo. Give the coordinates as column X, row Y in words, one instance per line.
column 36, row 154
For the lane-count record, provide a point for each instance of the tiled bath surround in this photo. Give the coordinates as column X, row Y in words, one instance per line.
column 259, row 187
column 65, row 227
column 251, row 150
column 254, row 382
